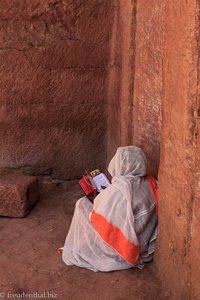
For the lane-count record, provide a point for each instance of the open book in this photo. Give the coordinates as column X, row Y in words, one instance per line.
column 93, row 182
column 100, row 181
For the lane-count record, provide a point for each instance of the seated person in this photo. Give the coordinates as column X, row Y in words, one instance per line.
column 118, row 231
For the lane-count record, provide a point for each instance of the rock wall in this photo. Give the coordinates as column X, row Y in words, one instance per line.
column 178, row 245
column 135, row 97
column 148, row 79
column 156, row 79
column 76, row 81
column 114, row 86
column 54, row 64
column 121, row 77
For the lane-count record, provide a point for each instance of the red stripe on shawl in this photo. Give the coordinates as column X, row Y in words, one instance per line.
column 114, row 237
column 154, row 190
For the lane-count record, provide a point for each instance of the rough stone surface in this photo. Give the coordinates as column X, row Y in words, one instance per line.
column 148, row 79
column 143, row 28
column 17, row 195
column 121, row 77
column 114, row 87
column 54, row 61
column 135, row 84
column 178, row 244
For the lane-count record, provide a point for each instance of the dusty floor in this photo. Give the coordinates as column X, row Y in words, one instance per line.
column 30, row 263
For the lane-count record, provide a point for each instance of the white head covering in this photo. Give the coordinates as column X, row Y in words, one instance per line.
column 128, row 161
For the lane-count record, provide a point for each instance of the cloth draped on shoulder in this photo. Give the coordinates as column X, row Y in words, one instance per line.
column 119, row 230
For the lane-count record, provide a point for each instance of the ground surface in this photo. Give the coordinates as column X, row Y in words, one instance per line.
column 30, row 263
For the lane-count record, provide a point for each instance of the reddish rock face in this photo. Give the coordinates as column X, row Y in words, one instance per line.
column 178, row 245
column 137, row 119
column 121, row 78
column 135, row 83
column 54, row 60
column 148, row 79
column 17, row 195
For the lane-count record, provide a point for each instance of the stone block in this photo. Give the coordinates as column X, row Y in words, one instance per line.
column 18, row 193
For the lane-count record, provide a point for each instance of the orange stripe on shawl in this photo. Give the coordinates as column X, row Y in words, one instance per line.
column 114, row 237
